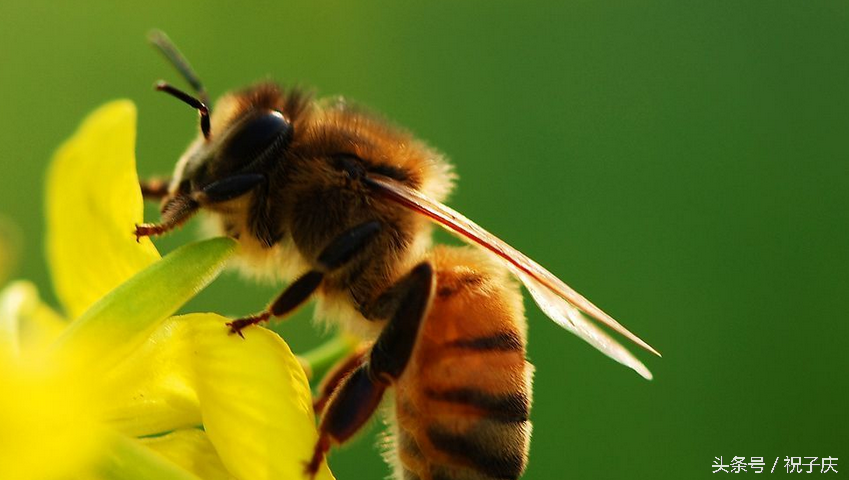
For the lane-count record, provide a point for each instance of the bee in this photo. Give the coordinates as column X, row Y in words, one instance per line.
column 340, row 204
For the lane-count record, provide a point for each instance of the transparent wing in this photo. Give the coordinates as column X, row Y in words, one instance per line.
column 567, row 316
column 559, row 301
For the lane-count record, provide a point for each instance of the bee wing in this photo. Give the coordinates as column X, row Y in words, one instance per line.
column 559, row 301
column 569, row 317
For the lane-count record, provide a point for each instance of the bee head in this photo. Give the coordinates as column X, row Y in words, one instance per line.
column 232, row 148
column 231, row 156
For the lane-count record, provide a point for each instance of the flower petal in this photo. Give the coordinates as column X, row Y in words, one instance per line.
column 48, row 425
column 26, row 324
column 191, row 450
column 152, row 390
column 255, row 401
column 252, row 395
column 122, row 320
column 93, row 201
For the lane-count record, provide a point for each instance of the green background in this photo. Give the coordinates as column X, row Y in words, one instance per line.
column 682, row 164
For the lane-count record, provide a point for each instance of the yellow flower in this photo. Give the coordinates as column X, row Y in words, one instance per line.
column 124, row 390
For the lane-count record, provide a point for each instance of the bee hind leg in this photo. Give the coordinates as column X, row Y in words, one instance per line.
column 340, row 250
column 357, row 397
column 331, row 381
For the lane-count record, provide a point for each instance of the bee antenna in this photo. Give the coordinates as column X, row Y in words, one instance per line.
column 191, row 101
column 164, row 44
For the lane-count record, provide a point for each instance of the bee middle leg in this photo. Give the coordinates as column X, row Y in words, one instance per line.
column 359, row 394
column 335, row 255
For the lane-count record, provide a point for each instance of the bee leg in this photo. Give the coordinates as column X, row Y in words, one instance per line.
column 335, row 376
column 291, row 298
column 154, row 188
column 230, row 188
column 175, row 212
column 340, row 250
column 351, row 406
column 359, row 394
column 343, row 248
column 411, row 297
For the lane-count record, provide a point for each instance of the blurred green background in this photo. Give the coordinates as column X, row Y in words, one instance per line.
column 683, row 164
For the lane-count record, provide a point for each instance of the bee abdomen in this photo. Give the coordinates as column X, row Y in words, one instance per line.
column 506, row 341
column 504, row 407
column 463, row 404
column 490, row 447
column 469, row 431
column 487, row 451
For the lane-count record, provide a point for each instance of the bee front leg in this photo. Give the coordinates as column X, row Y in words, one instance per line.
column 175, row 212
column 359, row 394
column 335, row 255
column 178, row 208
column 153, row 189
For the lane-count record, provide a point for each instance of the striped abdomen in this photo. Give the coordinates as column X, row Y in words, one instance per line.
column 463, row 402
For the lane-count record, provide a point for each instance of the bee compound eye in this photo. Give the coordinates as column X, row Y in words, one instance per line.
column 259, row 133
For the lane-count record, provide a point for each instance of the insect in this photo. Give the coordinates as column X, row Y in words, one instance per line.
column 340, row 203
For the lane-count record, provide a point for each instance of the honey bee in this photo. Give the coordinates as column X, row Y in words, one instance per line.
column 340, row 204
